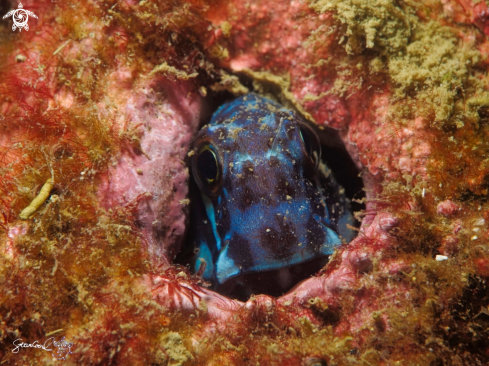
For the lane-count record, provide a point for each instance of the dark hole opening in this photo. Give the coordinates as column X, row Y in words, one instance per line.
column 345, row 171
column 336, row 157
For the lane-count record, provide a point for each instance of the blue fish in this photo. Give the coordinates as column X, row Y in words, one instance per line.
column 265, row 209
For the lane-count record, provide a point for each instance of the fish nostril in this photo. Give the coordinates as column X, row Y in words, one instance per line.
column 273, row 161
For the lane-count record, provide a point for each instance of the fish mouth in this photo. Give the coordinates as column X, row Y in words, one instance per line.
column 271, row 272
column 275, row 282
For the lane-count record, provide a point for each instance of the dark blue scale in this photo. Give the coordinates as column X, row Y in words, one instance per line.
column 266, row 212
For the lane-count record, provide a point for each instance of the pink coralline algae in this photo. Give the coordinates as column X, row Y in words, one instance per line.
column 105, row 97
column 447, row 208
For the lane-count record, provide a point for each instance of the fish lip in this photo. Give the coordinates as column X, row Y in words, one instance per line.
column 226, row 271
column 238, row 287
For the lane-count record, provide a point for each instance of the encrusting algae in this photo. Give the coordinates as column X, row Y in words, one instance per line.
column 404, row 82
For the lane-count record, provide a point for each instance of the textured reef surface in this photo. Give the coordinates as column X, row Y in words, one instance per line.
column 99, row 103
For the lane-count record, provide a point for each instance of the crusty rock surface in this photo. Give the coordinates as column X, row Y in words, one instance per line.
column 105, row 98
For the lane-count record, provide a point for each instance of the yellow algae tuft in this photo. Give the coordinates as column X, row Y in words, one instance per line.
column 218, row 51
column 226, row 28
column 229, row 83
column 176, row 352
column 167, row 69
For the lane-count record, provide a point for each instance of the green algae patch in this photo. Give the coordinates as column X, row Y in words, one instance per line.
column 176, row 352
column 433, row 71
column 434, row 55
column 378, row 24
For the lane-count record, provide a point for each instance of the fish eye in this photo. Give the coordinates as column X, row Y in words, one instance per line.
column 207, row 166
column 311, row 142
column 207, row 170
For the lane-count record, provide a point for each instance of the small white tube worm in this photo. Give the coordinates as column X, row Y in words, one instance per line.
column 38, row 201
